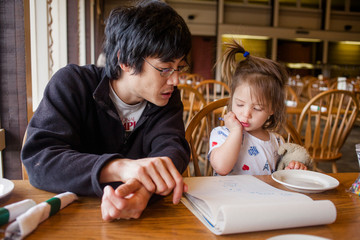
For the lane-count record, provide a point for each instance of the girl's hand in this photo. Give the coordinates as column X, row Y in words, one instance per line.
column 232, row 123
column 296, row 165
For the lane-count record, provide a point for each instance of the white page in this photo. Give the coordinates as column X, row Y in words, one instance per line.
column 243, row 203
column 236, row 190
column 274, row 215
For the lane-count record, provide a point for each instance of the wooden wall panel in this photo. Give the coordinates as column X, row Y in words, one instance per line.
column 73, row 31
column 344, row 54
column 13, row 110
column 203, row 56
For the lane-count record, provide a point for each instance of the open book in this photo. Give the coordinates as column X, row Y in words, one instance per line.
column 243, row 203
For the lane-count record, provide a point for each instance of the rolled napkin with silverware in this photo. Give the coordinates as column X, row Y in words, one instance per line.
column 10, row 212
column 28, row 221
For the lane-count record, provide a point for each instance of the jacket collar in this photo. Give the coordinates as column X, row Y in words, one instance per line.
column 101, row 96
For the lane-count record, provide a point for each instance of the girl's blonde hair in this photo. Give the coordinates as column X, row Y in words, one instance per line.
column 265, row 77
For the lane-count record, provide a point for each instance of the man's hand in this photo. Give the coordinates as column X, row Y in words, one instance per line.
column 127, row 201
column 158, row 175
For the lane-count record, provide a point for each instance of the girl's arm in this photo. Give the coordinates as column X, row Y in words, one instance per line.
column 224, row 158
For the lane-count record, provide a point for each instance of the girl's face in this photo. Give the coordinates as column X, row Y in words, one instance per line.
column 248, row 110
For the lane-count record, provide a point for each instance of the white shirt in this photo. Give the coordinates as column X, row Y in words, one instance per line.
column 256, row 157
column 129, row 114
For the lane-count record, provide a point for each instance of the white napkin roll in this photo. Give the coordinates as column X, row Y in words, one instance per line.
column 10, row 212
column 316, row 108
column 28, row 221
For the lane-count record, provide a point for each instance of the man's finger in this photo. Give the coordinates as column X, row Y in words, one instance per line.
column 178, row 190
column 108, row 209
column 147, row 181
column 160, row 176
column 179, row 184
column 186, row 187
column 127, row 188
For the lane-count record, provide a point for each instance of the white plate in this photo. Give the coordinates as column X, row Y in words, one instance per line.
column 305, row 181
column 6, row 187
column 297, row 237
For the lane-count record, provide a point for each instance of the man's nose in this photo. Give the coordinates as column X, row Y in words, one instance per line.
column 173, row 79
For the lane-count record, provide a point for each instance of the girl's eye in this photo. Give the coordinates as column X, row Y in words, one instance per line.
column 258, row 109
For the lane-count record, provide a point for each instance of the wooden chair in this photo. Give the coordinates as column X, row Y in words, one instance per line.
column 195, row 78
column 289, row 133
column 198, row 134
column 292, row 100
column 25, row 176
column 2, row 147
column 356, row 90
column 190, row 79
column 291, row 95
column 213, row 90
column 305, row 80
column 297, row 84
column 183, row 77
column 355, row 82
column 316, row 86
column 192, row 100
column 325, row 123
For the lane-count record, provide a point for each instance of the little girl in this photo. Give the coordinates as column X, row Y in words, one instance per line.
column 245, row 145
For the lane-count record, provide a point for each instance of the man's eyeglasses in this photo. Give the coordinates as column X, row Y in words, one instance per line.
column 167, row 72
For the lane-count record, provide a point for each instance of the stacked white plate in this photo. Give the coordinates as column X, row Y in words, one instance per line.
column 305, row 181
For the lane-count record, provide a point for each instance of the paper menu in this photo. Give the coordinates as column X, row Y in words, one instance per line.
column 243, row 203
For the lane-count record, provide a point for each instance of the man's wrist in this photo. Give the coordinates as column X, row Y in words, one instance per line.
column 110, row 171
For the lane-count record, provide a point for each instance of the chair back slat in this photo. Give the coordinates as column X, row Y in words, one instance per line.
column 198, row 135
column 213, row 90
column 289, row 133
column 326, row 122
column 193, row 101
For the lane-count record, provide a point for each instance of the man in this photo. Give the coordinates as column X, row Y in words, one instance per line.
column 119, row 126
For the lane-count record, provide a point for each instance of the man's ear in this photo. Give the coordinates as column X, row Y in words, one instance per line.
column 125, row 67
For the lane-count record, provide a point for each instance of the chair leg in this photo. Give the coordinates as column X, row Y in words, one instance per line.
column 334, row 167
column 186, row 173
column 206, row 166
column 209, row 170
column 24, row 173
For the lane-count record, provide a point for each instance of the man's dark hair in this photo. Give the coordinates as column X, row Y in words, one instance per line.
column 149, row 29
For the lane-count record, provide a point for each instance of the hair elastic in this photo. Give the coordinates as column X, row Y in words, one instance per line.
column 246, row 53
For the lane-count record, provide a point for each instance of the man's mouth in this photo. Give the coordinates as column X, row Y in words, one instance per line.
column 167, row 94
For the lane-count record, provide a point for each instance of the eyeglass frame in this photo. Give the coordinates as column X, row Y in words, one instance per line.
column 168, row 74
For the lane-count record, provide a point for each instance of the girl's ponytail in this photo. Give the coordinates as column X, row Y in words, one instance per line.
column 229, row 63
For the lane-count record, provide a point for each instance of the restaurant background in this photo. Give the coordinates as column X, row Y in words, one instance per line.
column 310, row 37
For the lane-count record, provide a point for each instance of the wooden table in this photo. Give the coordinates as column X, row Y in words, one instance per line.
column 163, row 220
column 296, row 110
